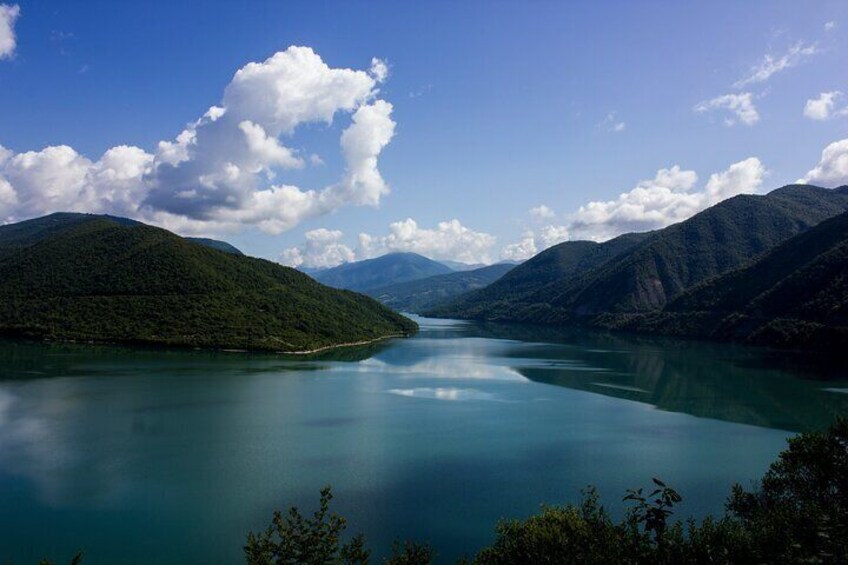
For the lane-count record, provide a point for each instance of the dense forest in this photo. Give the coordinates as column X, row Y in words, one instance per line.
column 796, row 294
column 640, row 281
column 96, row 278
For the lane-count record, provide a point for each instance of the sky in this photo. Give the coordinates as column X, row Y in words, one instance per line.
column 316, row 133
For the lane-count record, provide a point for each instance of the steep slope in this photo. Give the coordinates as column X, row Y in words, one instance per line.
column 422, row 294
column 373, row 273
column 664, row 264
column 104, row 279
column 795, row 295
column 713, row 242
column 535, row 276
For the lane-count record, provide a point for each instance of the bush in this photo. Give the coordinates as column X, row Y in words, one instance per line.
column 799, row 510
column 798, row 513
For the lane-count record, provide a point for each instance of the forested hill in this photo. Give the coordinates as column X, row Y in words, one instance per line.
column 109, row 279
column 796, row 295
column 534, row 279
column 30, row 231
column 639, row 273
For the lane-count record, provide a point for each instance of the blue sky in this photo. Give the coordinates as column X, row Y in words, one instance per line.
column 496, row 108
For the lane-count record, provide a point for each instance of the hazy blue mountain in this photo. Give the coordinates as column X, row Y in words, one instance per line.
column 422, row 294
column 96, row 278
column 459, row 266
column 636, row 273
column 374, row 273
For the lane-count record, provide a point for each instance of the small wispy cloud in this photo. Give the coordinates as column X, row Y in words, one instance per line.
column 612, row 124
column 8, row 41
column 770, row 65
column 830, row 26
column 421, row 91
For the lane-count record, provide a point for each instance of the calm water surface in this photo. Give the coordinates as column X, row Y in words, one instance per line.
column 140, row 456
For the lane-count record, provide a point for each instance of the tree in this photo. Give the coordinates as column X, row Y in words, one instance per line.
column 799, row 510
column 296, row 540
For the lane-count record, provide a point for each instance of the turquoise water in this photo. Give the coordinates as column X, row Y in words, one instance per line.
column 146, row 456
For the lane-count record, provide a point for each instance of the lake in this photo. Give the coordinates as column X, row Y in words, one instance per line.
column 151, row 456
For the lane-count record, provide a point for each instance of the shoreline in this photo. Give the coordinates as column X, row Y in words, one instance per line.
column 339, row 345
column 155, row 345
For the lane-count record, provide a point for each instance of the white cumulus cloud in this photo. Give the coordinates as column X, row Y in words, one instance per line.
column 740, row 105
column 323, row 248
column 449, row 240
column 220, row 173
column 832, row 169
column 9, row 13
column 666, row 199
column 826, row 106
column 542, row 212
column 522, row 249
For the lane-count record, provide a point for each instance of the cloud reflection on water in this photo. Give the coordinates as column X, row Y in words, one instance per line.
column 443, row 393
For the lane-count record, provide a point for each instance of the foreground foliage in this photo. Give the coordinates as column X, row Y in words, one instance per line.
column 797, row 513
column 294, row 539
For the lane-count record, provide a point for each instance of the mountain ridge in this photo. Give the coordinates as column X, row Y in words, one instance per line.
column 391, row 268
column 647, row 274
column 104, row 280
column 419, row 294
column 796, row 295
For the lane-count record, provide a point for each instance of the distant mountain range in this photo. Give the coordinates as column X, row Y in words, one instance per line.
column 409, row 282
column 459, row 266
column 625, row 282
column 421, row 294
column 392, row 268
column 101, row 278
column 763, row 269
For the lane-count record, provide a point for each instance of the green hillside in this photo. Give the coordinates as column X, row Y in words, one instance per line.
column 422, row 294
column 105, row 279
column 374, row 273
column 795, row 295
column 216, row 244
column 31, row 231
column 534, row 278
column 558, row 286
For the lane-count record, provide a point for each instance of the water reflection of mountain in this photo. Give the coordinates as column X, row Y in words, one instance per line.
column 740, row 384
column 21, row 359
